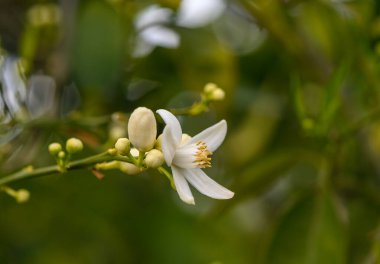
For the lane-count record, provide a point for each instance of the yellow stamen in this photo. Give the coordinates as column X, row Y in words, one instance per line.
column 203, row 155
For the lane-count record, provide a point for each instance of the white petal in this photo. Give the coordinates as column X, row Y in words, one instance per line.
column 182, row 186
column 212, row 136
column 185, row 156
column 206, row 185
column 172, row 122
column 168, row 145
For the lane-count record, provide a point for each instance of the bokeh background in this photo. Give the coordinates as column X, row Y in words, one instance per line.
column 302, row 154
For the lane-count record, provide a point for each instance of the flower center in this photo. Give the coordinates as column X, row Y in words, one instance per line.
column 202, row 155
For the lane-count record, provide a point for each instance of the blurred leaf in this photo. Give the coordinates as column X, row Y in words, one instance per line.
column 312, row 232
column 98, row 50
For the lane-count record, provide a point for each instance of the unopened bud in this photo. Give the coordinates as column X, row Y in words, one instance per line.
column 217, row 95
column 123, row 146
column 210, row 87
column 54, row 148
column 74, row 145
column 111, row 165
column 129, row 168
column 61, row 155
column 22, row 196
column 142, row 129
column 154, row 159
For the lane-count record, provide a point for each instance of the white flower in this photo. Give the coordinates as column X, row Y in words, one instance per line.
column 188, row 157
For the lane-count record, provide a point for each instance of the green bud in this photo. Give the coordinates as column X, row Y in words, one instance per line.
column 22, row 196
column 74, row 145
column 123, row 146
column 54, row 148
column 217, row 95
column 61, row 155
column 108, row 165
column 154, row 159
column 209, row 88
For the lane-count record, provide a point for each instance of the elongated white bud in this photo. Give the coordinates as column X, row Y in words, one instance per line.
column 142, row 129
column 154, row 159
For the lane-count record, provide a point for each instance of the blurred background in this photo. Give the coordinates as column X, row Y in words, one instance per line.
column 302, row 153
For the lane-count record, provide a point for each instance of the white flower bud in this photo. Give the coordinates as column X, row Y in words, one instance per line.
column 22, row 196
column 123, row 146
column 129, row 168
column 142, row 129
column 54, row 148
column 74, row 145
column 111, row 165
column 154, row 159
column 134, row 152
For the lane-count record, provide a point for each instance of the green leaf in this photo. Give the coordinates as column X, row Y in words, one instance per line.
column 312, row 232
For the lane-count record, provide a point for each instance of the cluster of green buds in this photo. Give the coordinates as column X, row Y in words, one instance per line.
column 211, row 92
column 73, row 145
column 141, row 150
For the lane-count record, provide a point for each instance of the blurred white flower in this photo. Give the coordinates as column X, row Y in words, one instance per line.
column 150, row 23
column 188, row 157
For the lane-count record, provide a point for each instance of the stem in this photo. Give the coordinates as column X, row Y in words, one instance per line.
column 168, row 175
column 74, row 165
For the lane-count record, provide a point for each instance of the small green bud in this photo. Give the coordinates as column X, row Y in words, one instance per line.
column 129, row 168
column 123, row 146
column 74, row 145
column 61, row 155
column 154, row 159
column 217, row 95
column 112, row 151
column 108, row 165
column 210, row 88
column 22, row 196
column 54, row 148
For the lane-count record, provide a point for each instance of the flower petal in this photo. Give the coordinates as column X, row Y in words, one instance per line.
column 168, row 146
column 206, row 185
column 172, row 122
column 182, row 186
column 171, row 136
column 212, row 136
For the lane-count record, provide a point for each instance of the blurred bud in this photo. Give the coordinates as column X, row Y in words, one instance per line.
column 185, row 139
column 129, row 168
column 22, row 196
column 142, row 129
column 154, row 159
column 74, row 145
column 213, row 92
column 108, row 165
column 158, row 144
column 209, row 88
column 117, row 132
column 217, row 95
column 61, row 155
column 112, row 151
column 54, row 148
column 123, row 146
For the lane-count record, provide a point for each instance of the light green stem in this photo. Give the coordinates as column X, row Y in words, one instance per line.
column 73, row 165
